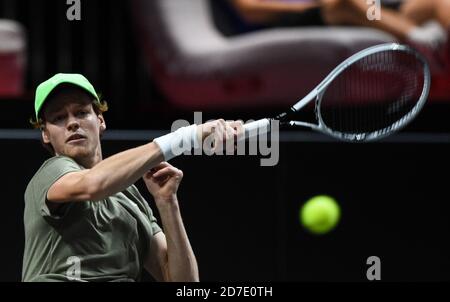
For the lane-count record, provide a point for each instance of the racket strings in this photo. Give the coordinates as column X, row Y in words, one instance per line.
column 373, row 93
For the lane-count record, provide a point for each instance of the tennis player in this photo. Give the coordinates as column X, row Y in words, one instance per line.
column 84, row 218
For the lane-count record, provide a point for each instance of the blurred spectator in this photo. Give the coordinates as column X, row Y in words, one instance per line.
column 423, row 23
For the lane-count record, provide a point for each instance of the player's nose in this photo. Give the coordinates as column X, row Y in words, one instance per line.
column 72, row 123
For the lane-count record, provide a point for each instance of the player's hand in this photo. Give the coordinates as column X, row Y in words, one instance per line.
column 162, row 182
column 216, row 134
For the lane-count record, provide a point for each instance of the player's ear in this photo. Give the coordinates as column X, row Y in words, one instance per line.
column 45, row 136
column 101, row 119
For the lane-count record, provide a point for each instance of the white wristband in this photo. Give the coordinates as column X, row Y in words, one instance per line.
column 178, row 142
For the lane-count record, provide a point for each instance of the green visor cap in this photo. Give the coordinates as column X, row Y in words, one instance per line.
column 45, row 88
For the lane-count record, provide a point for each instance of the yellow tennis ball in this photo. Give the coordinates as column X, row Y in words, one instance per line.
column 320, row 214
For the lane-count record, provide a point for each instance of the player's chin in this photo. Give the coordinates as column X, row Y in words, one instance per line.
column 77, row 151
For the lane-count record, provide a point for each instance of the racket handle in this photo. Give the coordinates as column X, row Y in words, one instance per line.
column 261, row 126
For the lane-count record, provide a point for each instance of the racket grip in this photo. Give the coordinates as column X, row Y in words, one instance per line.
column 255, row 128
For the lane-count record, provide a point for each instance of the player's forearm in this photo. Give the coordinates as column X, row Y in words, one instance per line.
column 116, row 173
column 182, row 264
column 119, row 171
column 271, row 6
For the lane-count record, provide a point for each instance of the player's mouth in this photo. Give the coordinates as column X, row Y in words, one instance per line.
column 76, row 138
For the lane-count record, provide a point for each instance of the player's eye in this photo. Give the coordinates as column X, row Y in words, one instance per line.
column 82, row 113
column 58, row 118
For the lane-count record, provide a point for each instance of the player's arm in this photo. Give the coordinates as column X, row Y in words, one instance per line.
column 156, row 262
column 273, row 6
column 116, row 173
column 170, row 257
column 111, row 175
column 173, row 264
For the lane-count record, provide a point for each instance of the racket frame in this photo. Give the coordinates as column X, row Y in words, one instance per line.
column 317, row 93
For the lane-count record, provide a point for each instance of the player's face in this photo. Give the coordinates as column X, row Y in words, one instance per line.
column 72, row 127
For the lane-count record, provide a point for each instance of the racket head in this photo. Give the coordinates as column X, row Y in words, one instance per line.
column 373, row 93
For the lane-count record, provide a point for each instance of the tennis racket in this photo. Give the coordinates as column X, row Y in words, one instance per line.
column 370, row 95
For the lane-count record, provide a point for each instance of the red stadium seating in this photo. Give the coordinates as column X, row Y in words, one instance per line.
column 12, row 59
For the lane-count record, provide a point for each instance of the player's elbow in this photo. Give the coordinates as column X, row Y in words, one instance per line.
column 85, row 188
column 194, row 276
column 92, row 188
column 188, row 274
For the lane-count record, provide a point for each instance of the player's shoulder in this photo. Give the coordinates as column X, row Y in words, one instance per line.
column 52, row 166
column 57, row 161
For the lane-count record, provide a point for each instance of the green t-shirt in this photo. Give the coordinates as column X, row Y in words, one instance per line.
column 104, row 240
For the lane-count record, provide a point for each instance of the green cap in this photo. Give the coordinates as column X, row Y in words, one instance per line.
column 45, row 88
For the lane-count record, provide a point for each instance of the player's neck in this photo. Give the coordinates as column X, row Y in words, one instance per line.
column 91, row 161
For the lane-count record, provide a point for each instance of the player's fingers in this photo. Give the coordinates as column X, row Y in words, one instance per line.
column 156, row 168
column 236, row 124
column 230, row 138
column 217, row 141
column 219, row 134
column 220, row 128
column 229, row 133
column 159, row 166
column 168, row 171
column 238, row 127
column 221, row 122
